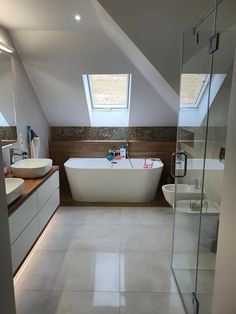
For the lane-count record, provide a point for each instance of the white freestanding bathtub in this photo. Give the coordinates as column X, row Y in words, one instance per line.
column 100, row 180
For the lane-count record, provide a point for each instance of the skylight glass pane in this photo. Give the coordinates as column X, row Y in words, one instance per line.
column 109, row 90
column 191, row 88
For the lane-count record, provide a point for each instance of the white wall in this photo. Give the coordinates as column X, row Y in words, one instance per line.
column 156, row 27
column 225, row 279
column 7, row 302
column 55, row 62
column 147, row 108
column 28, row 108
column 56, row 51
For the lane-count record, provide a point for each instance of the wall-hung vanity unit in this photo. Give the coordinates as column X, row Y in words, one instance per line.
column 31, row 212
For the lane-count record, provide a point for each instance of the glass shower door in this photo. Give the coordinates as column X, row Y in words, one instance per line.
column 220, row 90
column 198, row 165
column 189, row 161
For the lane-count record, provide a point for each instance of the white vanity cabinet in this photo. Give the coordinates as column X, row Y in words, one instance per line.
column 29, row 219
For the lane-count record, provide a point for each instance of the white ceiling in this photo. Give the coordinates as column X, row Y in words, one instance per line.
column 47, row 15
column 156, row 27
column 56, row 51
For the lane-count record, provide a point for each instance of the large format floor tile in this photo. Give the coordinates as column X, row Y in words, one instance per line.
column 61, row 302
column 82, row 237
column 187, row 260
column 146, row 272
column 205, row 300
column 101, row 260
column 71, row 270
column 187, row 277
column 151, row 303
column 151, row 216
column 87, row 215
column 146, row 238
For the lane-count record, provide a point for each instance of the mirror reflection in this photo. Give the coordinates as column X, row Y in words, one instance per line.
column 7, row 105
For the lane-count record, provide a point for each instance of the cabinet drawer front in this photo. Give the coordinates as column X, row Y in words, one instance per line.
column 24, row 243
column 20, row 219
column 46, row 190
column 49, row 208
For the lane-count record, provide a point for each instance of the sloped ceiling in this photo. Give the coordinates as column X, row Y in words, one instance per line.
column 156, row 27
column 56, row 51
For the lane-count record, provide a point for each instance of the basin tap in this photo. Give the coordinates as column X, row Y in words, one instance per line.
column 24, row 155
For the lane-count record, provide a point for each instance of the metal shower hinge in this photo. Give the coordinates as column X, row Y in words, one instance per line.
column 214, row 43
column 195, row 303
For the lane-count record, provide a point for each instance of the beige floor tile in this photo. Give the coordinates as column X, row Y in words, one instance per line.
column 147, row 216
column 87, row 215
column 151, row 303
column 56, row 302
column 82, row 237
column 187, row 260
column 89, row 254
column 205, row 301
column 186, row 280
column 146, row 272
column 146, row 238
column 71, row 270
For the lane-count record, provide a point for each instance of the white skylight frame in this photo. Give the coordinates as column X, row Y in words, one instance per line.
column 200, row 95
column 119, row 107
column 195, row 116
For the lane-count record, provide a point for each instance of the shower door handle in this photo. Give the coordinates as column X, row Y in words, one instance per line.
column 179, row 164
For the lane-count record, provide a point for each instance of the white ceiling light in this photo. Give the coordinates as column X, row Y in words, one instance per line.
column 77, row 17
column 5, row 48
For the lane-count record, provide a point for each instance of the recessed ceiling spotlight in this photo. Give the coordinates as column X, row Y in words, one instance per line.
column 77, row 17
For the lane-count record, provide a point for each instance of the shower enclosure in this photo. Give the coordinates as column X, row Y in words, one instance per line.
column 206, row 76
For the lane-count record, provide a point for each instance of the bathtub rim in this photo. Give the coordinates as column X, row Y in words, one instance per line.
column 66, row 164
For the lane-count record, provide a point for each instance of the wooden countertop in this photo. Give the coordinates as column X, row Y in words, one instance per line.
column 30, row 185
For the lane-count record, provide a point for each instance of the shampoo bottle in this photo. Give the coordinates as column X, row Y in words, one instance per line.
column 123, row 152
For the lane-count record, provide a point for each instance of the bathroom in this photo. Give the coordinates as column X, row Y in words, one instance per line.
column 94, row 232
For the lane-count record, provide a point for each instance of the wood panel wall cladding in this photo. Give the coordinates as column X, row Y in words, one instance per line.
column 60, row 151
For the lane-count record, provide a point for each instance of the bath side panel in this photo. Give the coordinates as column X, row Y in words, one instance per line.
column 113, row 185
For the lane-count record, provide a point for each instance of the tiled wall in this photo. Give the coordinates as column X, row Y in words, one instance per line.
column 90, row 142
column 166, row 134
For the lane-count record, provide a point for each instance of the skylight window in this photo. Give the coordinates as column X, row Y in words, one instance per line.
column 193, row 87
column 109, row 91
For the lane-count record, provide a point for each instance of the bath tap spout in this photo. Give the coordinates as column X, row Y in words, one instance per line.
column 197, row 184
column 127, row 148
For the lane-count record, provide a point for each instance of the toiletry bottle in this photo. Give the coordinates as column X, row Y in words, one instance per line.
column 110, row 154
column 123, row 152
column 6, row 171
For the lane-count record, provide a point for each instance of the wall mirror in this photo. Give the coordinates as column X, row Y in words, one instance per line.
column 8, row 133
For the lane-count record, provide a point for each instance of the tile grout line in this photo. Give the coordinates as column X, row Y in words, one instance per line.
column 103, row 291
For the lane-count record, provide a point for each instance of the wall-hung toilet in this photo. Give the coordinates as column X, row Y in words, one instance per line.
column 187, row 219
column 184, row 192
